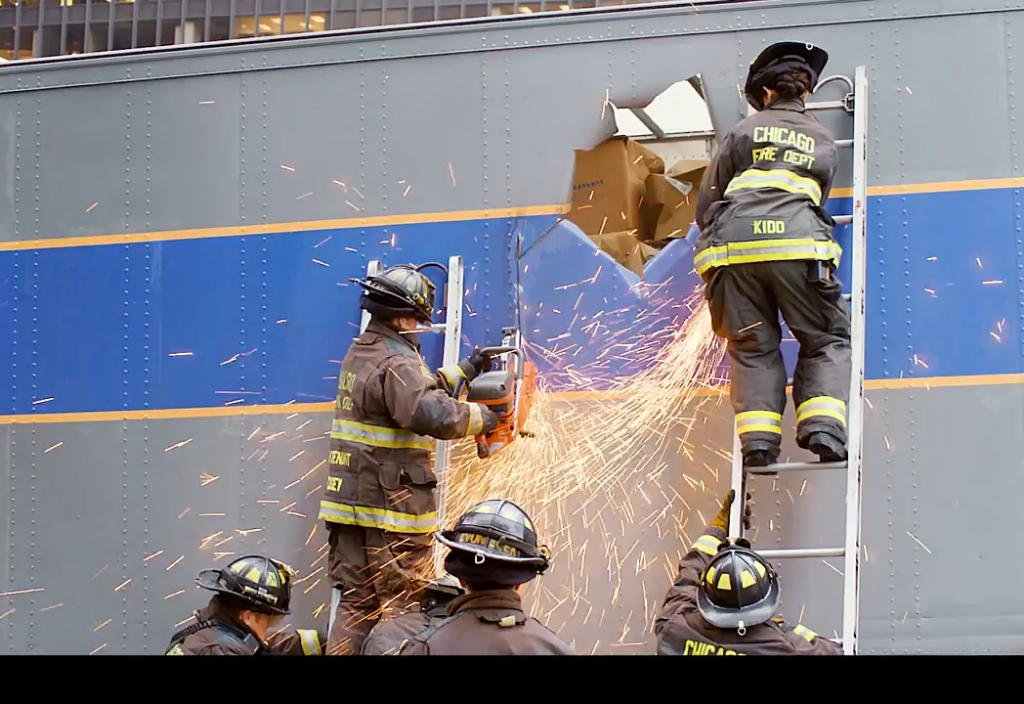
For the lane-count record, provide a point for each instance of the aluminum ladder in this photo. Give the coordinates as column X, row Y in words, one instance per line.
column 854, row 103
column 452, row 329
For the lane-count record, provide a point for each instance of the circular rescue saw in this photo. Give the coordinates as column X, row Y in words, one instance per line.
column 507, row 390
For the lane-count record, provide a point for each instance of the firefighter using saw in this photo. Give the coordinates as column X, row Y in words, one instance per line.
column 252, row 594
column 387, row 636
column 766, row 247
column 724, row 601
column 379, row 503
column 493, row 552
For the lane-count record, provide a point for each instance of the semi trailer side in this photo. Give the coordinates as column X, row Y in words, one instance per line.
column 179, row 230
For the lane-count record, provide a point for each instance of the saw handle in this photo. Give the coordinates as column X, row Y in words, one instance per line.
column 495, row 351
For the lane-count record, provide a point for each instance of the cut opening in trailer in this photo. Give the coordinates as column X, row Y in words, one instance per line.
column 635, row 192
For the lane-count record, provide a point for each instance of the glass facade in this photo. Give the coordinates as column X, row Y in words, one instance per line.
column 36, row 28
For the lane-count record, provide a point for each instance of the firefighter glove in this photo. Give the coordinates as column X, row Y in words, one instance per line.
column 490, row 419
column 722, row 519
column 474, row 364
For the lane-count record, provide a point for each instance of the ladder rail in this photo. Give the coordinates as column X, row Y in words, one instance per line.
column 452, row 345
column 855, row 408
column 374, row 268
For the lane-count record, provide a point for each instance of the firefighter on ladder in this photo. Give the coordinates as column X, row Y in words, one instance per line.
column 724, row 601
column 379, row 503
column 251, row 596
column 493, row 551
column 766, row 246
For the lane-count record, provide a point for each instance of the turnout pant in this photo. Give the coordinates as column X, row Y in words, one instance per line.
column 745, row 301
column 374, row 574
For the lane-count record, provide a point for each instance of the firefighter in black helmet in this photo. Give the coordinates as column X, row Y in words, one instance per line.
column 252, row 594
column 493, row 552
column 387, row 636
column 379, row 503
column 766, row 247
column 724, row 601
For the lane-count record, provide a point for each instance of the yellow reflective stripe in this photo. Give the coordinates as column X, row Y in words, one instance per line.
column 382, row 519
column 310, row 641
column 806, row 633
column 452, row 374
column 767, row 251
column 822, row 406
column 476, row 419
column 758, row 422
column 781, row 179
column 379, row 436
column 707, row 544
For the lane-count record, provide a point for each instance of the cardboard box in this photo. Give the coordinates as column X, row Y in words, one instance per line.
column 608, row 186
column 625, row 249
column 670, row 205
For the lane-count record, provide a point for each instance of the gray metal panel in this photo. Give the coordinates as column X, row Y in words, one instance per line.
column 85, row 516
column 364, row 127
column 488, row 84
column 110, row 503
column 121, row 158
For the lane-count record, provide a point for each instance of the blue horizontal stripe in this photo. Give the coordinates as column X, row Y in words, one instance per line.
column 93, row 327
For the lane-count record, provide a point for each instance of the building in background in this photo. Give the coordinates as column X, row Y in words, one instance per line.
column 37, row 28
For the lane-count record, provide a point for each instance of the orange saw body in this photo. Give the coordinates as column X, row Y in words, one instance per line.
column 507, row 391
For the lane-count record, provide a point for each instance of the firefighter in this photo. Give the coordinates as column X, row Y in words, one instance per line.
column 724, row 600
column 387, row 636
column 493, row 552
column 252, row 594
column 766, row 247
column 379, row 503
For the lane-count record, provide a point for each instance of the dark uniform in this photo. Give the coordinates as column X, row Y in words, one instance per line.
column 766, row 246
column 493, row 550
column 215, row 633
column 487, row 623
column 723, row 603
column 379, row 502
column 252, row 583
column 387, row 636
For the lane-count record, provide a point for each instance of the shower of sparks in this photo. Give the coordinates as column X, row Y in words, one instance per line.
column 600, row 464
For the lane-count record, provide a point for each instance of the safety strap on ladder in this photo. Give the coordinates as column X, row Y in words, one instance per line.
column 855, row 103
column 452, row 329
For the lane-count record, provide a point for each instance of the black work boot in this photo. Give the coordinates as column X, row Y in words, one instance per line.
column 826, row 447
column 758, row 459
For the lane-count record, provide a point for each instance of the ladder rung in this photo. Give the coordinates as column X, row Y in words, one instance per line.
column 795, row 467
column 802, row 552
column 439, row 327
column 847, row 296
column 826, row 105
column 843, row 219
column 844, row 142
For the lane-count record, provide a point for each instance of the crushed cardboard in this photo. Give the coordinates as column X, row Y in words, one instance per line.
column 626, row 250
column 624, row 201
column 670, row 205
column 608, row 185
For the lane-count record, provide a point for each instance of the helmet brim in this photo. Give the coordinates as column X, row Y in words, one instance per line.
column 730, row 619
column 210, row 580
column 447, row 538
column 815, row 56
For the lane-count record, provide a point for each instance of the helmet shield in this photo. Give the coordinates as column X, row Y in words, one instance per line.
column 400, row 291
column 499, row 532
column 257, row 579
column 778, row 58
column 739, row 589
